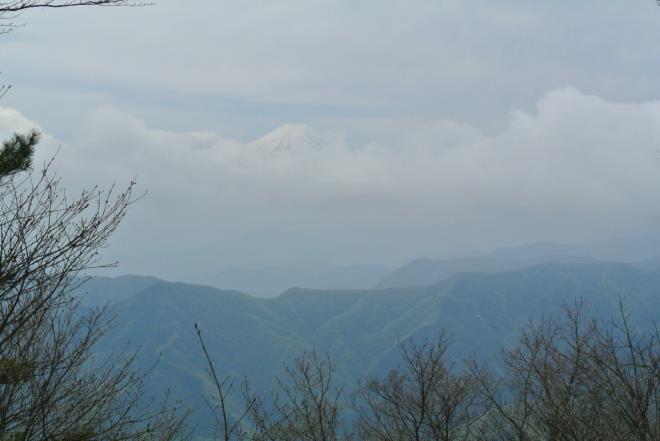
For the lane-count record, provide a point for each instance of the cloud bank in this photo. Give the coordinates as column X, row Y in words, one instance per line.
column 577, row 167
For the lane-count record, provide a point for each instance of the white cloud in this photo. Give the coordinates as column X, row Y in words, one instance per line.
column 252, row 61
column 11, row 120
column 577, row 167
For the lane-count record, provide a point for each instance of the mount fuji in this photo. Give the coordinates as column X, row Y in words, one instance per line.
column 289, row 138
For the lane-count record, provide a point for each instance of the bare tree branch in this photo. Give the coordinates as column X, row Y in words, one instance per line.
column 51, row 384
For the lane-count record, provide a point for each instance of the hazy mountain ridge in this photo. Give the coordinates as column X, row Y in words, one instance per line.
column 639, row 250
column 271, row 281
column 427, row 271
column 360, row 329
column 98, row 291
column 629, row 249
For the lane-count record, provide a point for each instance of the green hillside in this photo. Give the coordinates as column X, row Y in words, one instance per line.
column 360, row 329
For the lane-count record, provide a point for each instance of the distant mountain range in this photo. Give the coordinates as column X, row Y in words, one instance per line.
column 640, row 251
column 633, row 248
column 360, row 329
column 427, row 271
column 272, row 281
column 266, row 280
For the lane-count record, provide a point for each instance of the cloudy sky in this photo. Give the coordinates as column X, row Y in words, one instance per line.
column 373, row 131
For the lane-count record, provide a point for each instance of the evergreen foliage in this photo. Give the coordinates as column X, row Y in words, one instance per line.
column 16, row 153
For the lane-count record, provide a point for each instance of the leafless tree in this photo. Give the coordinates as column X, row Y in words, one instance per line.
column 51, row 384
column 52, row 387
column 11, row 10
column 305, row 407
column 569, row 378
column 424, row 400
column 573, row 378
column 626, row 367
column 228, row 427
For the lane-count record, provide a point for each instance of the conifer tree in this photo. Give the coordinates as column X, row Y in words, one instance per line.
column 16, row 153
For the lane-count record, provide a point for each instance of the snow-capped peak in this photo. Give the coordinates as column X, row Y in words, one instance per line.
column 289, row 138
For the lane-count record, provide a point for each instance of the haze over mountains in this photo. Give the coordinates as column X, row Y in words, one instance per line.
column 638, row 251
column 483, row 302
column 270, row 281
column 291, row 194
column 255, row 318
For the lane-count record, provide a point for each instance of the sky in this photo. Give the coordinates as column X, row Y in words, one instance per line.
column 347, row 132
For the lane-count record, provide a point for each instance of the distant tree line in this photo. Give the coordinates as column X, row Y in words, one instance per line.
column 569, row 378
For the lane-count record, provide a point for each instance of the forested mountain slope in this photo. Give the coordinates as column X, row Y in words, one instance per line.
column 360, row 329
